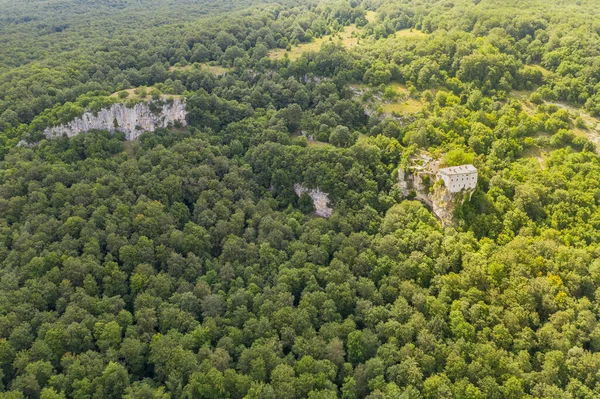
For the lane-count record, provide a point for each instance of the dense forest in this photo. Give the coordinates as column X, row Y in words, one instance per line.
column 184, row 265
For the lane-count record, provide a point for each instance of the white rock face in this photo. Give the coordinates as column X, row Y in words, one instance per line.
column 27, row 144
column 320, row 200
column 420, row 178
column 439, row 200
column 403, row 183
column 131, row 121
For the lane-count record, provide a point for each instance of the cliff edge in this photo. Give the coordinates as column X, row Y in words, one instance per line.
column 143, row 117
column 421, row 180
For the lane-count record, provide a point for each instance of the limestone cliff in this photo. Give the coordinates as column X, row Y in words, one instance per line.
column 131, row 121
column 320, row 200
column 420, row 180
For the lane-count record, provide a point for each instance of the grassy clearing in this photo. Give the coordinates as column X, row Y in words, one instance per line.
column 580, row 132
column 405, row 104
column 180, row 68
column 216, row 70
column 590, row 121
column 371, row 16
column 545, row 72
column 592, row 133
column 410, row 106
column 347, row 38
column 409, row 34
column 142, row 93
column 592, row 124
column 136, row 93
column 401, row 103
column 297, row 51
column 522, row 96
column 399, row 88
column 592, row 130
column 317, row 144
column 538, row 154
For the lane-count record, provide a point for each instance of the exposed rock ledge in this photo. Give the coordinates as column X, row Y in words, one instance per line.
column 320, row 200
column 131, row 121
column 440, row 201
column 419, row 179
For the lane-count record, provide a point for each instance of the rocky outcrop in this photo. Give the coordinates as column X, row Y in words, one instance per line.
column 27, row 144
column 143, row 117
column 320, row 200
column 403, row 183
column 313, row 79
column 420, row 180
column 436, row 198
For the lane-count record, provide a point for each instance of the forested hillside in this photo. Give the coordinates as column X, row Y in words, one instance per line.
column 184, row 265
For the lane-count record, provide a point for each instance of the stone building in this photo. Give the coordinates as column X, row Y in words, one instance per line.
column 458, row 178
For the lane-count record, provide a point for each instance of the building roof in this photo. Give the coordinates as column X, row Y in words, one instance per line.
column 459, row 170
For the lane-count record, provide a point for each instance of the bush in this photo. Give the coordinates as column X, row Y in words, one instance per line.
column 562, row 138
column 536, row 98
